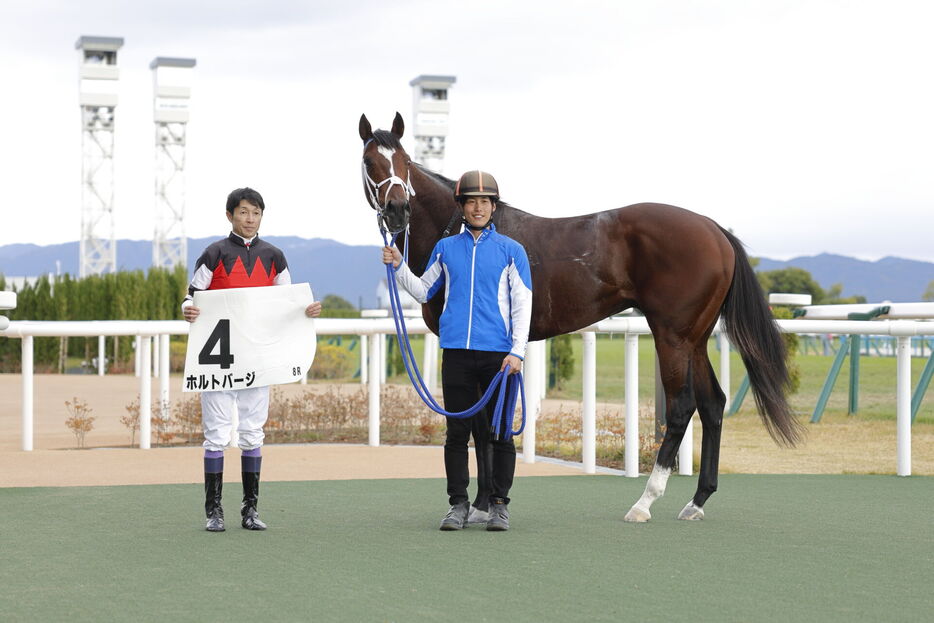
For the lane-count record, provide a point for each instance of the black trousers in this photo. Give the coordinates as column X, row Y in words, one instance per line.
column 465, row 376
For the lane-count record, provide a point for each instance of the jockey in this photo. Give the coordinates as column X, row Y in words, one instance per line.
column 239, row 261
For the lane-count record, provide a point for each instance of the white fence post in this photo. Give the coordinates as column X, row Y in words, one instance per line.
column 383, row 360
column 631, row 455
column 724, row 343
column 101, row 355
column 542, row 347
column 28, row 386
column 430, row 372
column 589, row 407
column 533, row 403
column 164, row 372
column 156, row 354
column 903, row 406
column 375, row 359
column 686, row 450
column 145, row 392
column 136, row 348
column 364, row 366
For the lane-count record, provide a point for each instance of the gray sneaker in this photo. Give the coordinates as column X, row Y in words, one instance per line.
column 499, row 517
column 456, row 518
column 477, row 516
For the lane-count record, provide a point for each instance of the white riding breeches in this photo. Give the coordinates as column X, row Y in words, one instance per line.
column 217, row 409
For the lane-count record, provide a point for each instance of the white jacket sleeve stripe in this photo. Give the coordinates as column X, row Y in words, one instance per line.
column 200, row 281
column 422, row 288
column 521, row 310
column 283, row 279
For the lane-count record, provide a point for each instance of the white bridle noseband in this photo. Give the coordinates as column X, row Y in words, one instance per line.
column 372, row 186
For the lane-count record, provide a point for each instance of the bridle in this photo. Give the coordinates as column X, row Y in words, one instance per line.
column 373, row 187
column 372, row 194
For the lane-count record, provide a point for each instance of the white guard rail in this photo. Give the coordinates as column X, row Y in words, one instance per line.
column 631, row 327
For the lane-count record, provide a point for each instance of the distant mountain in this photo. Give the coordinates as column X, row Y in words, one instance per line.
column 890, row 279
column 354, row 272
column 351, row 272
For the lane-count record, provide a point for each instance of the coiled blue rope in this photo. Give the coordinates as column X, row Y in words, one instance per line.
column 507, row 386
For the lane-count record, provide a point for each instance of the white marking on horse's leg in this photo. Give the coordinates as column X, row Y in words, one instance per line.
column 654, row 489
column 691, row 512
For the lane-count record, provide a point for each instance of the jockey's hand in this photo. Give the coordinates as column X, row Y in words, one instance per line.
column 392, row 256
column 191, row 312
column 313, row 310
column 514, row 363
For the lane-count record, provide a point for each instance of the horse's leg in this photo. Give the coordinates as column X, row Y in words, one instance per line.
column 710, row 404
column 679, row 398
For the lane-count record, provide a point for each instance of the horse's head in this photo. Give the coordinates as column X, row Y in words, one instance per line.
column 386, row 180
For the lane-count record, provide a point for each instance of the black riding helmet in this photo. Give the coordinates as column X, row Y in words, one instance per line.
column 476, row 184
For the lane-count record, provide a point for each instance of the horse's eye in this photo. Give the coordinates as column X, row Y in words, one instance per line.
column 367, row 162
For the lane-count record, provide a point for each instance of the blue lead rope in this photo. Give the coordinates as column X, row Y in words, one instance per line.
column 507, row 386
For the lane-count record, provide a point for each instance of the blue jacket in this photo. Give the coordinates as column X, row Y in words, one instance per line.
column 487, row 291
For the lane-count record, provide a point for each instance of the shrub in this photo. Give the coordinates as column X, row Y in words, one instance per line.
column 160, row 428
column 131, row 419
column 186, row 417
column 331, row 362
column 791, row 346
column 558, row 434
column 80, row 422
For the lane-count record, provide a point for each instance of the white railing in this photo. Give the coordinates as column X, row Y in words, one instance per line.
column 373, row 358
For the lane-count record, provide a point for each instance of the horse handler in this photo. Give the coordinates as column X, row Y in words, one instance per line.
column 241, row 260
column 484, row 328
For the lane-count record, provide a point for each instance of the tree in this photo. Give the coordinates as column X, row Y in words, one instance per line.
column 833, row 296
column 333, row 306
column 332, row 301
column 561, row 361
column 929, row 293
column 793, row 280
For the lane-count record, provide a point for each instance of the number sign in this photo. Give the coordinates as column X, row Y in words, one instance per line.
column 249, row 337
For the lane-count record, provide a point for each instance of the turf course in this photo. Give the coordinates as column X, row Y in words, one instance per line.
column 773, row 548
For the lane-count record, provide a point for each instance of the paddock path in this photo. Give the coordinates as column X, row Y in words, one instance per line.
column 835, row 446
column 110, row 461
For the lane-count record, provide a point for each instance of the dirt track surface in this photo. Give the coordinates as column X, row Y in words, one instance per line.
column 835, row 446
column 110, row 461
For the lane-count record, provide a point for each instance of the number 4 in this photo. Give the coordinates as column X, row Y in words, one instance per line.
column 220, row 334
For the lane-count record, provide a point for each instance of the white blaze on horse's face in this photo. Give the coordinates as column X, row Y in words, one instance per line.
column 391, row 204
column 387, row 153
column 379, row 193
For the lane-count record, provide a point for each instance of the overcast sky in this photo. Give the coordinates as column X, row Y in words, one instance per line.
column 805, row 126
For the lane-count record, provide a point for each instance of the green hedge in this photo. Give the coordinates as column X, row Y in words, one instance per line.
column 126, row 295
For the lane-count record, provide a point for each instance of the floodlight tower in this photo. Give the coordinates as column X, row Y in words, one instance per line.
column 98, row 75
column 171, row 89
column 430, row 110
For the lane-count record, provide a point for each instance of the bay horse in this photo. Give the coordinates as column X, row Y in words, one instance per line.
column 680, row 269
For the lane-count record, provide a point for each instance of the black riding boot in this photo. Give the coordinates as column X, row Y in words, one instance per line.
column 213, row 487
column 248, row 512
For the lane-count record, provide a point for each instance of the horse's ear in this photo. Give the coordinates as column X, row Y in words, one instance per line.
column 366, row 132
column 398, row 126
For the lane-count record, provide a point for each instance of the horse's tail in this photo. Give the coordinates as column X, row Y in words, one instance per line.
column 753, row 332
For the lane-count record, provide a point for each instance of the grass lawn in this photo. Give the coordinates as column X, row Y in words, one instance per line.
column 876, row 388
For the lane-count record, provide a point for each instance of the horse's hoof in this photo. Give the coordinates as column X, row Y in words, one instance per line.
column 637, row 515
column 691, row 512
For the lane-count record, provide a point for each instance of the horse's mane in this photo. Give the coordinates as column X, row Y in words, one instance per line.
column 436, row 176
